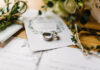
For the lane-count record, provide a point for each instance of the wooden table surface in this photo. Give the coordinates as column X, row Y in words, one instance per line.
column 36, row 4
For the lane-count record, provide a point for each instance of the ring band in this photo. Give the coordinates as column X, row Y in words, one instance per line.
column 48, row 36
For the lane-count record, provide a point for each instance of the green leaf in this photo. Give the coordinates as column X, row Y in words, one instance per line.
column 74, row 39
column 71, row 26
column 15, row 0
column 23, row 6
column 98, row 47
column 6, row 1
column 43, row 6
column 79, row 28
column 2, row 11
column 40, row 12
column 98, row 38
column 92, row 47
column 9, row 19
column 86, row 47
column 81, row 4
column 85, row 17
column 50, row 4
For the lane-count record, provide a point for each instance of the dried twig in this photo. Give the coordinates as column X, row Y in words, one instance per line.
column 79, row 42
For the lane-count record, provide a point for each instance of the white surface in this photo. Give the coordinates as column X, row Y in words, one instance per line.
column 9, row 31
column 17, row 56
column 45, row 23
column 68, row 59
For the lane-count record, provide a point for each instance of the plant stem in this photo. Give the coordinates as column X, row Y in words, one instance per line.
column 79, row 42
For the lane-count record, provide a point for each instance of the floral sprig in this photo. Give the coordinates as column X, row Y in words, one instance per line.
column 9, row 16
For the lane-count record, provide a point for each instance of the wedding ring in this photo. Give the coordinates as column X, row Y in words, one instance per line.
column 57, row 38
column 55, row 35
column 48, row 36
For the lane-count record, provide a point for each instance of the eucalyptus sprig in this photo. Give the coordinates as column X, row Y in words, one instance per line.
column 11, row 15
column 7, row 2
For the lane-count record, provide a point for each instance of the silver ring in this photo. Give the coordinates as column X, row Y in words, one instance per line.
column 48, row 36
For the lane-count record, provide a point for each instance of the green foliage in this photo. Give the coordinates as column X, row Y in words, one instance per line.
column 43, row 6
column 7, row 3
column 74, row 39
column 92, row 47
column 40, row 12
column 98, row 47
column 50, row 4
column 85, row 16
column 79, row 28
column 4, row 24
column 86, row 47
column 79, row 3
column 2, row 11
column 71, row 18
column 11, row 16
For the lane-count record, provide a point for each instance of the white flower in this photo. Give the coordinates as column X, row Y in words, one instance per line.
column 62, row 7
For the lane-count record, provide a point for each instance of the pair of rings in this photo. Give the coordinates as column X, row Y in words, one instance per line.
column 51, row 36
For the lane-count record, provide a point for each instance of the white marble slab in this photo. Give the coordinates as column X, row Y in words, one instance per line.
column 68, row 59
column 16, row 55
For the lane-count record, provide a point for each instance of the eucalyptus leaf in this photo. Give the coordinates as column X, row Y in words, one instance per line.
column 86, row 47
column 98, row 47
column 43, row 6
column 74, row 39
column 40, row 12
column 12, row 15
column 92, row 47
column 50, row 4
column 79, row 28
column 5, row 1
column 15, row 0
